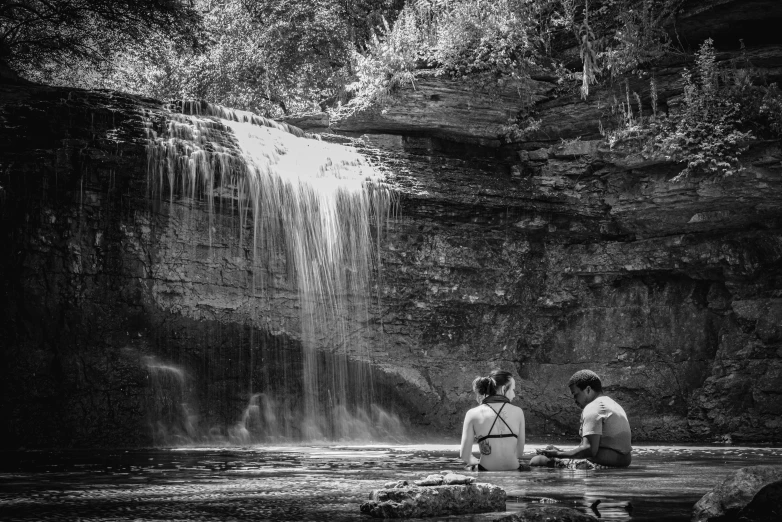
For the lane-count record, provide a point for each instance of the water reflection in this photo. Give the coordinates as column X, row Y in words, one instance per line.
column 328, row 482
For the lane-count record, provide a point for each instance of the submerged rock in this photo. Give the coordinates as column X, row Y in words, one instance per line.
column 431, row 480
column 546, row 514
column 750, row 494
column 396, row 484
column 455, row 478
column 445, row 478
column 417, row 501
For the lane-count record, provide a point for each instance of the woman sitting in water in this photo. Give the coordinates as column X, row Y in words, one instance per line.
column 496, row 425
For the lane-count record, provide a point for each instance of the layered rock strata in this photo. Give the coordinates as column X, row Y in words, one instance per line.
column 542, row 258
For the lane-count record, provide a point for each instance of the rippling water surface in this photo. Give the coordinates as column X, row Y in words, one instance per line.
column 329, row 482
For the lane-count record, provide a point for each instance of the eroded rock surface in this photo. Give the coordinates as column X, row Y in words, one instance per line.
column 431, row 501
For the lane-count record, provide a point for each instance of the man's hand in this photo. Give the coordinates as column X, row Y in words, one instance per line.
column 549, row 451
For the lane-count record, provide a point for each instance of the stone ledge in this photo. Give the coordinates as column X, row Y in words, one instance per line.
column 432, row 501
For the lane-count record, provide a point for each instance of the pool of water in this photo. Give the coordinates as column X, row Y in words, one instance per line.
column 328, row 482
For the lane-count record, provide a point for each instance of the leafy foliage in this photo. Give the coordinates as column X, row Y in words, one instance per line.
column 39, row 33
column 493, row 42
column 706, row 136
column 640, row 37
column 486, row 41
column 389, row 61
column 485, row 36
column 519, row 129
column 720, row 113
column 616, row 36
column 268, row 56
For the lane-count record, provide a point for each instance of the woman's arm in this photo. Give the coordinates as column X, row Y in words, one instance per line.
column 522, row 437
column 467, row 438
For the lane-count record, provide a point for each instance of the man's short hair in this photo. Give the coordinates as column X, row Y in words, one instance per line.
column 584, row 378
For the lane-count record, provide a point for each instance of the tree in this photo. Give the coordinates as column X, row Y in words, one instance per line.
column 268, row 56
column 39, row 33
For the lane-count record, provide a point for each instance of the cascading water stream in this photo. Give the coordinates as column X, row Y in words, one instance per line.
column 309, row 204
column 172, row 419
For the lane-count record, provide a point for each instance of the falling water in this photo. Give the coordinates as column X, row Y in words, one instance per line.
column 171, row 417
column 312, row 204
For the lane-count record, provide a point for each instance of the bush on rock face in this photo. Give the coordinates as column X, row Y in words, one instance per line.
column 722, row 110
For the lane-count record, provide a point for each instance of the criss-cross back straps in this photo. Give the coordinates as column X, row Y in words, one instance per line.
column 490, row 436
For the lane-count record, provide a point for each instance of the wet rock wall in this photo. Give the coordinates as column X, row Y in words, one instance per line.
column 668, row 290
column 541, row 258
column 129, row 319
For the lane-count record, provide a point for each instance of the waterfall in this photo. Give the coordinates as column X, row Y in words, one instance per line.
column 171, row 417
column 316, row 207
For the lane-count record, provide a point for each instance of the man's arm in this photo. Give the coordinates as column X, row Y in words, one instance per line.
column 587, row 449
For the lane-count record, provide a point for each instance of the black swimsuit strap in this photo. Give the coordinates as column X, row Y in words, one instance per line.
column 503, row 421
column 496, row 416
column 489, row 435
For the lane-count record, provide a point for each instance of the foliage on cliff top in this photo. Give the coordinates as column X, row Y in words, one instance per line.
column 35, row 33
column 268, row 56
column 276, row 56
column 492, row 42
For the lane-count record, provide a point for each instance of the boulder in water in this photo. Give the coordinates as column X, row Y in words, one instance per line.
column 765, row 506
column 418, row 501
column 728, row 500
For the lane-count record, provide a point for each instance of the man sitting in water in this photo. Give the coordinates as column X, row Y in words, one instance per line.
column 605, row 430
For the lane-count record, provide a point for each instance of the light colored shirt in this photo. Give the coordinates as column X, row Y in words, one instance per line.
column 604, row 417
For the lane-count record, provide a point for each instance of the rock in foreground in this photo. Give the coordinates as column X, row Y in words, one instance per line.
column 766, row 505
column 728, row 500
column 432, row 501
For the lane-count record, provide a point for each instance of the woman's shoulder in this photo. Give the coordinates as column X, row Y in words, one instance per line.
column 515, row 409
column 475, row 410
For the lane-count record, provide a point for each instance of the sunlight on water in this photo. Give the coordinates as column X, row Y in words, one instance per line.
column 329, row 482
column 321, row 208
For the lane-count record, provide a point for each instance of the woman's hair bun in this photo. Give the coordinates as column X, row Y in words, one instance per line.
column 483, row 386
column 489, row 385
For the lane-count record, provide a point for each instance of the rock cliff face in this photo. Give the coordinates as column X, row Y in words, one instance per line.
column 670, row 291
column 543, row 258
column 549, row 256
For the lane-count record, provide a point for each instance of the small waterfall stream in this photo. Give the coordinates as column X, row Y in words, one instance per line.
column 172, row 419
column 317, row 208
